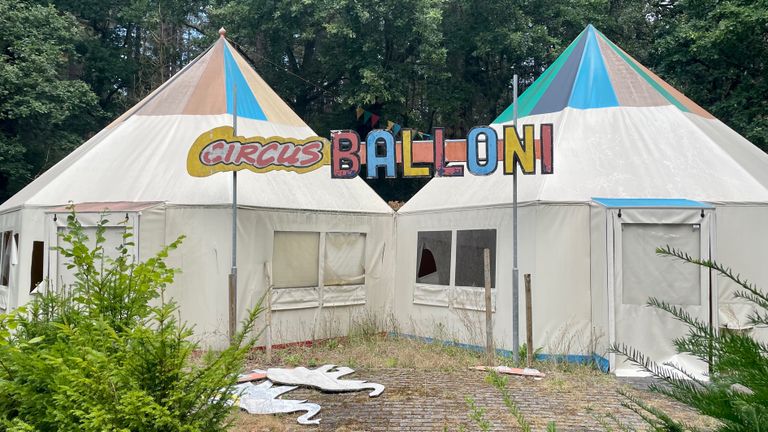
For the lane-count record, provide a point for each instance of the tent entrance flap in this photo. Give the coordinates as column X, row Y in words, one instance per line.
column 636, row 274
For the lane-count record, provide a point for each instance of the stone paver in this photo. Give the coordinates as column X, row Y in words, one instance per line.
column 421, row 400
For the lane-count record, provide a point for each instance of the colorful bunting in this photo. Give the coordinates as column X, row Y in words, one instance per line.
column 373, row 119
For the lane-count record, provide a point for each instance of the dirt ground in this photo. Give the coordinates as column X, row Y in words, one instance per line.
column 429, row 388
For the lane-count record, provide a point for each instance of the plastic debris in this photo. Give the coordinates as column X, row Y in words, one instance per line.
column 527, row 372
column 325, row 378
column 262, row 399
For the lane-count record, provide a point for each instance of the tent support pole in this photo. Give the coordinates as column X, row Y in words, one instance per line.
column 515, row 270
column 233, row 272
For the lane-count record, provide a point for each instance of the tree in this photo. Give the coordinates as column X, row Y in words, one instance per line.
column 43, row 113
column 716, row 53
column 107, row 352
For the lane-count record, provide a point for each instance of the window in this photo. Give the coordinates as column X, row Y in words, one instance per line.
column 295, row 259
column 344, row 259
column 433, row 258
column 6, row 249
column 645, row 274
column 470, row 268
column 37, row 268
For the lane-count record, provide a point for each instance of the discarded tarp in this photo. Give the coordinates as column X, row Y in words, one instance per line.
column 325, row 378
column 262, row 399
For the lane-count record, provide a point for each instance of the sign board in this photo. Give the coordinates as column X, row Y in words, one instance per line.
column 218, row 150
column 483, row 152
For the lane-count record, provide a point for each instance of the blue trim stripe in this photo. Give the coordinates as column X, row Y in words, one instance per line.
column 592, row 87
column 247, row 105
column 601, row 362
column 651, row 203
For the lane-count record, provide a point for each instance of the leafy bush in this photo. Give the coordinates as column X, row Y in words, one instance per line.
column 737, row 391
column 108, row 353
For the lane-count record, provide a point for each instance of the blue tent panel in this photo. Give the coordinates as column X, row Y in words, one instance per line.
column 651, row 203
column 247, row 105
column 592, row 87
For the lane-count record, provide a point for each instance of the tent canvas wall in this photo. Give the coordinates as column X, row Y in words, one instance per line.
column 136, row 169
column 619, row 132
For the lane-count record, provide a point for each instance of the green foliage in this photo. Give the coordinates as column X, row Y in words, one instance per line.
column 43, row 112
column 500, row 383
column 477, row 415
column 737, row 391
column 108, row 352
column 715, row 52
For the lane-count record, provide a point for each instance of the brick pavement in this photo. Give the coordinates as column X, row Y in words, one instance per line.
column 423, row 400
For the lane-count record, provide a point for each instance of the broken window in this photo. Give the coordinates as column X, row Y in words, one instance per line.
column 6, row 249
column 433, row 258
column 344, row 259
column 295, row 259
column 470, row 269
column 37, row 269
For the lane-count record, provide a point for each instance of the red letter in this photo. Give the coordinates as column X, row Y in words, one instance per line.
column 313, row 154
column 440, row 169
column 345, row 161
column 263, row 160
column 246, row 151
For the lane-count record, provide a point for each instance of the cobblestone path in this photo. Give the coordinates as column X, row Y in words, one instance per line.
column 420, row 400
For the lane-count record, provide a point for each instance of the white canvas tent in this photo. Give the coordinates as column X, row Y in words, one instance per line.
column 620, row 132
column 324, row 244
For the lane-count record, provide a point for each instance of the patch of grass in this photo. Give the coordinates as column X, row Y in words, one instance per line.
column 372, row 351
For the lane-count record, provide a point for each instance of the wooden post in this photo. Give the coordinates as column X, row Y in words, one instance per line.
column 232, row 306
column 488, row 307
column 269, row 323
column 528, row 320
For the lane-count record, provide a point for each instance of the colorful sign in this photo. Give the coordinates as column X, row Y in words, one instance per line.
column 482, row 153
column 431, row 158
column 218, row 150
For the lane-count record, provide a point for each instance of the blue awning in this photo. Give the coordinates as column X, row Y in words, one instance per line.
column 651, row 203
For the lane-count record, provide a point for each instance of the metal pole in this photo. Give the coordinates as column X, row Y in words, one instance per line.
column 233, row 272
column 515, row 271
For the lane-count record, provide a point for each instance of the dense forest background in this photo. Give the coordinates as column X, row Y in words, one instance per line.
column 68, row 67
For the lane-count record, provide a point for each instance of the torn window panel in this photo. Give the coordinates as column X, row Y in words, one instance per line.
column 295, row 259
column 470, row 269
column 433, row 258
column 37, row 269
column 344, row 259
column 5, row 257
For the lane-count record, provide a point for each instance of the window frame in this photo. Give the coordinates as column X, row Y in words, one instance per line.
column 6, row 245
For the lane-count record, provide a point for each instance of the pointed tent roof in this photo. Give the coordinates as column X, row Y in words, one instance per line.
column 593, row 72
column 141, row 156
column 619, row 132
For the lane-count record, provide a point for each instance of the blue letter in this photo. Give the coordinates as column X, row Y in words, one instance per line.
column 491, row 144
column 374, row 161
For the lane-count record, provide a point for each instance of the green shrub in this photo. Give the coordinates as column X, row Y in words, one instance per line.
column 737, row 391
column 108, row 353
